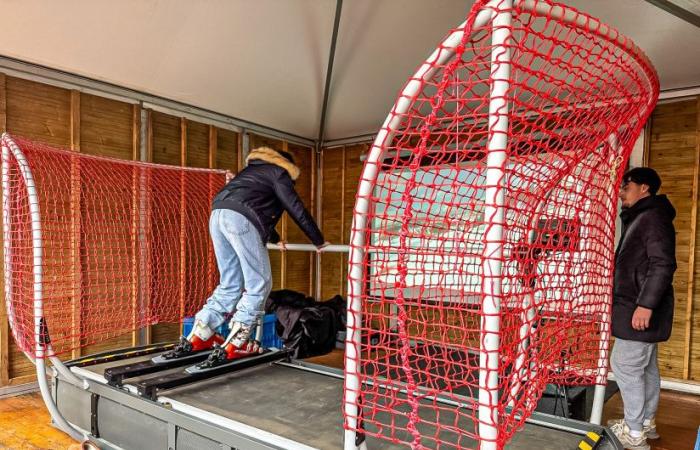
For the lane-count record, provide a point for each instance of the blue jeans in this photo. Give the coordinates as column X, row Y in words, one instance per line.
column 244, row 269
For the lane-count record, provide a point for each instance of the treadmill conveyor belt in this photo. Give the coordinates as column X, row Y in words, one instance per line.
column 306, row 407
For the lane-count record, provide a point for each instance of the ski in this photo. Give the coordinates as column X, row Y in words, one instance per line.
column 116, row 375
column 149, row 387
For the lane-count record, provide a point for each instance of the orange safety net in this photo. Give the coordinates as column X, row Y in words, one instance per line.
column 122, row 244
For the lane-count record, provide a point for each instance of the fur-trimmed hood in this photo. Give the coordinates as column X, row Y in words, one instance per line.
column 273, row 157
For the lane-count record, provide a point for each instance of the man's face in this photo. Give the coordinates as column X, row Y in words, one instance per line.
column 631, row 193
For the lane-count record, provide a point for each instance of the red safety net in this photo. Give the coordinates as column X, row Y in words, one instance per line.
column 122, row 244
column 482, row 277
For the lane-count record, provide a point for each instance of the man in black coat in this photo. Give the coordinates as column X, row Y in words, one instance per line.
column 243, row 219
column 642, row 312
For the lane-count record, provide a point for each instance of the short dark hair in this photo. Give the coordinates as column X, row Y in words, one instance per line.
column 643, row 175
column 288, row 156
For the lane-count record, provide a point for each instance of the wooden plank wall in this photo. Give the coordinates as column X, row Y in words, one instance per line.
column 99, row 126
column 340, row 174
column 179, row 141
column 43, row 113
column 673, row 150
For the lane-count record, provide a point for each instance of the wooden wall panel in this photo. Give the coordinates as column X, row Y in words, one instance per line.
column 43, row 113
column 353, row 170
column 298, row 265
column 672, row 153
column 331, row 220
column 227, row 150
column 106, row 127
column 38, row 111
column 166, row 138
column 341, row 169
column 100, row 126
column 693, row 313
column 197, row 144
column 166, row 149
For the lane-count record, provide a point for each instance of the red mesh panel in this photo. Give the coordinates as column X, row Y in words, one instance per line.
column 124, row 244
column 435, row 232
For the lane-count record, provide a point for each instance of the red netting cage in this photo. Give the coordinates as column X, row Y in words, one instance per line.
column 482, row 242
column 96, row 248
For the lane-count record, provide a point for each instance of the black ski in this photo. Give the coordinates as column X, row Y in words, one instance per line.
column 149, row 388
column 115, row 376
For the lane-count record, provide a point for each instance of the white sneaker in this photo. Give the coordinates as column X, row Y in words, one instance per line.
column 622, row 432
column 649, row 430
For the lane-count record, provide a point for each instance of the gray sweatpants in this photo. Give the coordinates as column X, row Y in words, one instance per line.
column 636, row 371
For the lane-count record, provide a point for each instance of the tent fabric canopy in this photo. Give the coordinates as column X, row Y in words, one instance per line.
column 265, row 61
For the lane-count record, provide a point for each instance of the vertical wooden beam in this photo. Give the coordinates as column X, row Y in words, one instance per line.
column 213, row 186
column 135, row 222
column 691, row 253
column 4, row 322
column 213, row 138
column 319, row 219
column 647, row 142
column 342, row 217
column 3, row 103
column 183, row 215
column 76, row 231
column 239, row 153
column 148, row 255
column 75, row 121
column 312, row 255
column 283, row 236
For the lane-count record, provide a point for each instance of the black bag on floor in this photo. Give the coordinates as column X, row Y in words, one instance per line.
column 305, row 325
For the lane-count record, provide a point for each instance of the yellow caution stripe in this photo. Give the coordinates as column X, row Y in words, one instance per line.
column 590, row 442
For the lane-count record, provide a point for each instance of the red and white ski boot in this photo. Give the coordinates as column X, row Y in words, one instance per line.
column 201, row 338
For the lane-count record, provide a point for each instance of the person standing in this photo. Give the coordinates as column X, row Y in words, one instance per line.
column 642, row 310
column 243, row 219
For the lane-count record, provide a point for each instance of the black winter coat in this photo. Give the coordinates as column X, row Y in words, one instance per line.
column 645, row 260
column 263, row 191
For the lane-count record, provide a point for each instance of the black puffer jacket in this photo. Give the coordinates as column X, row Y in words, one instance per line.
column 263, row 191
column 645, row 260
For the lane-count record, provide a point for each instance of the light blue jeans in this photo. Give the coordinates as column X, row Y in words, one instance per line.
column 244, row 268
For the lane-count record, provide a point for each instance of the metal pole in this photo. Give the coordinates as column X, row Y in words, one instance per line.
column 42, row 349
column 494, row 214
column 359, row 223
column 336, row 248
column 329, row 73
column 604, row 343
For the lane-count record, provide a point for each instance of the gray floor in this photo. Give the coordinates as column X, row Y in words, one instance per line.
column 306, row 407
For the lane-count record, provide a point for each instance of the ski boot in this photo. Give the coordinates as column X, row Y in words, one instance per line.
column 201, row 338
column 237, row 345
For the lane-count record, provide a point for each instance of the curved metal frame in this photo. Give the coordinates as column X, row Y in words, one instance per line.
column 487, row 408
column 368, row 178
column 42, row 350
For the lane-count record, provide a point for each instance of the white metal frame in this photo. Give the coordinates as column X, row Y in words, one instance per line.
column 488, row 385
column 498, row 124
column 42, row 351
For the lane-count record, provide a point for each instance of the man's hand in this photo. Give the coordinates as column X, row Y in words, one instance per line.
column 229, row 176
column 282, row 246
column 641, row 318
column 319, row 247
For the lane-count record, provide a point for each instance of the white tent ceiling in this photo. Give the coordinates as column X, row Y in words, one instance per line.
column 265, row 61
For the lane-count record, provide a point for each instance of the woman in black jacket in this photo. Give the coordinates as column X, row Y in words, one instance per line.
column 243, row 219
